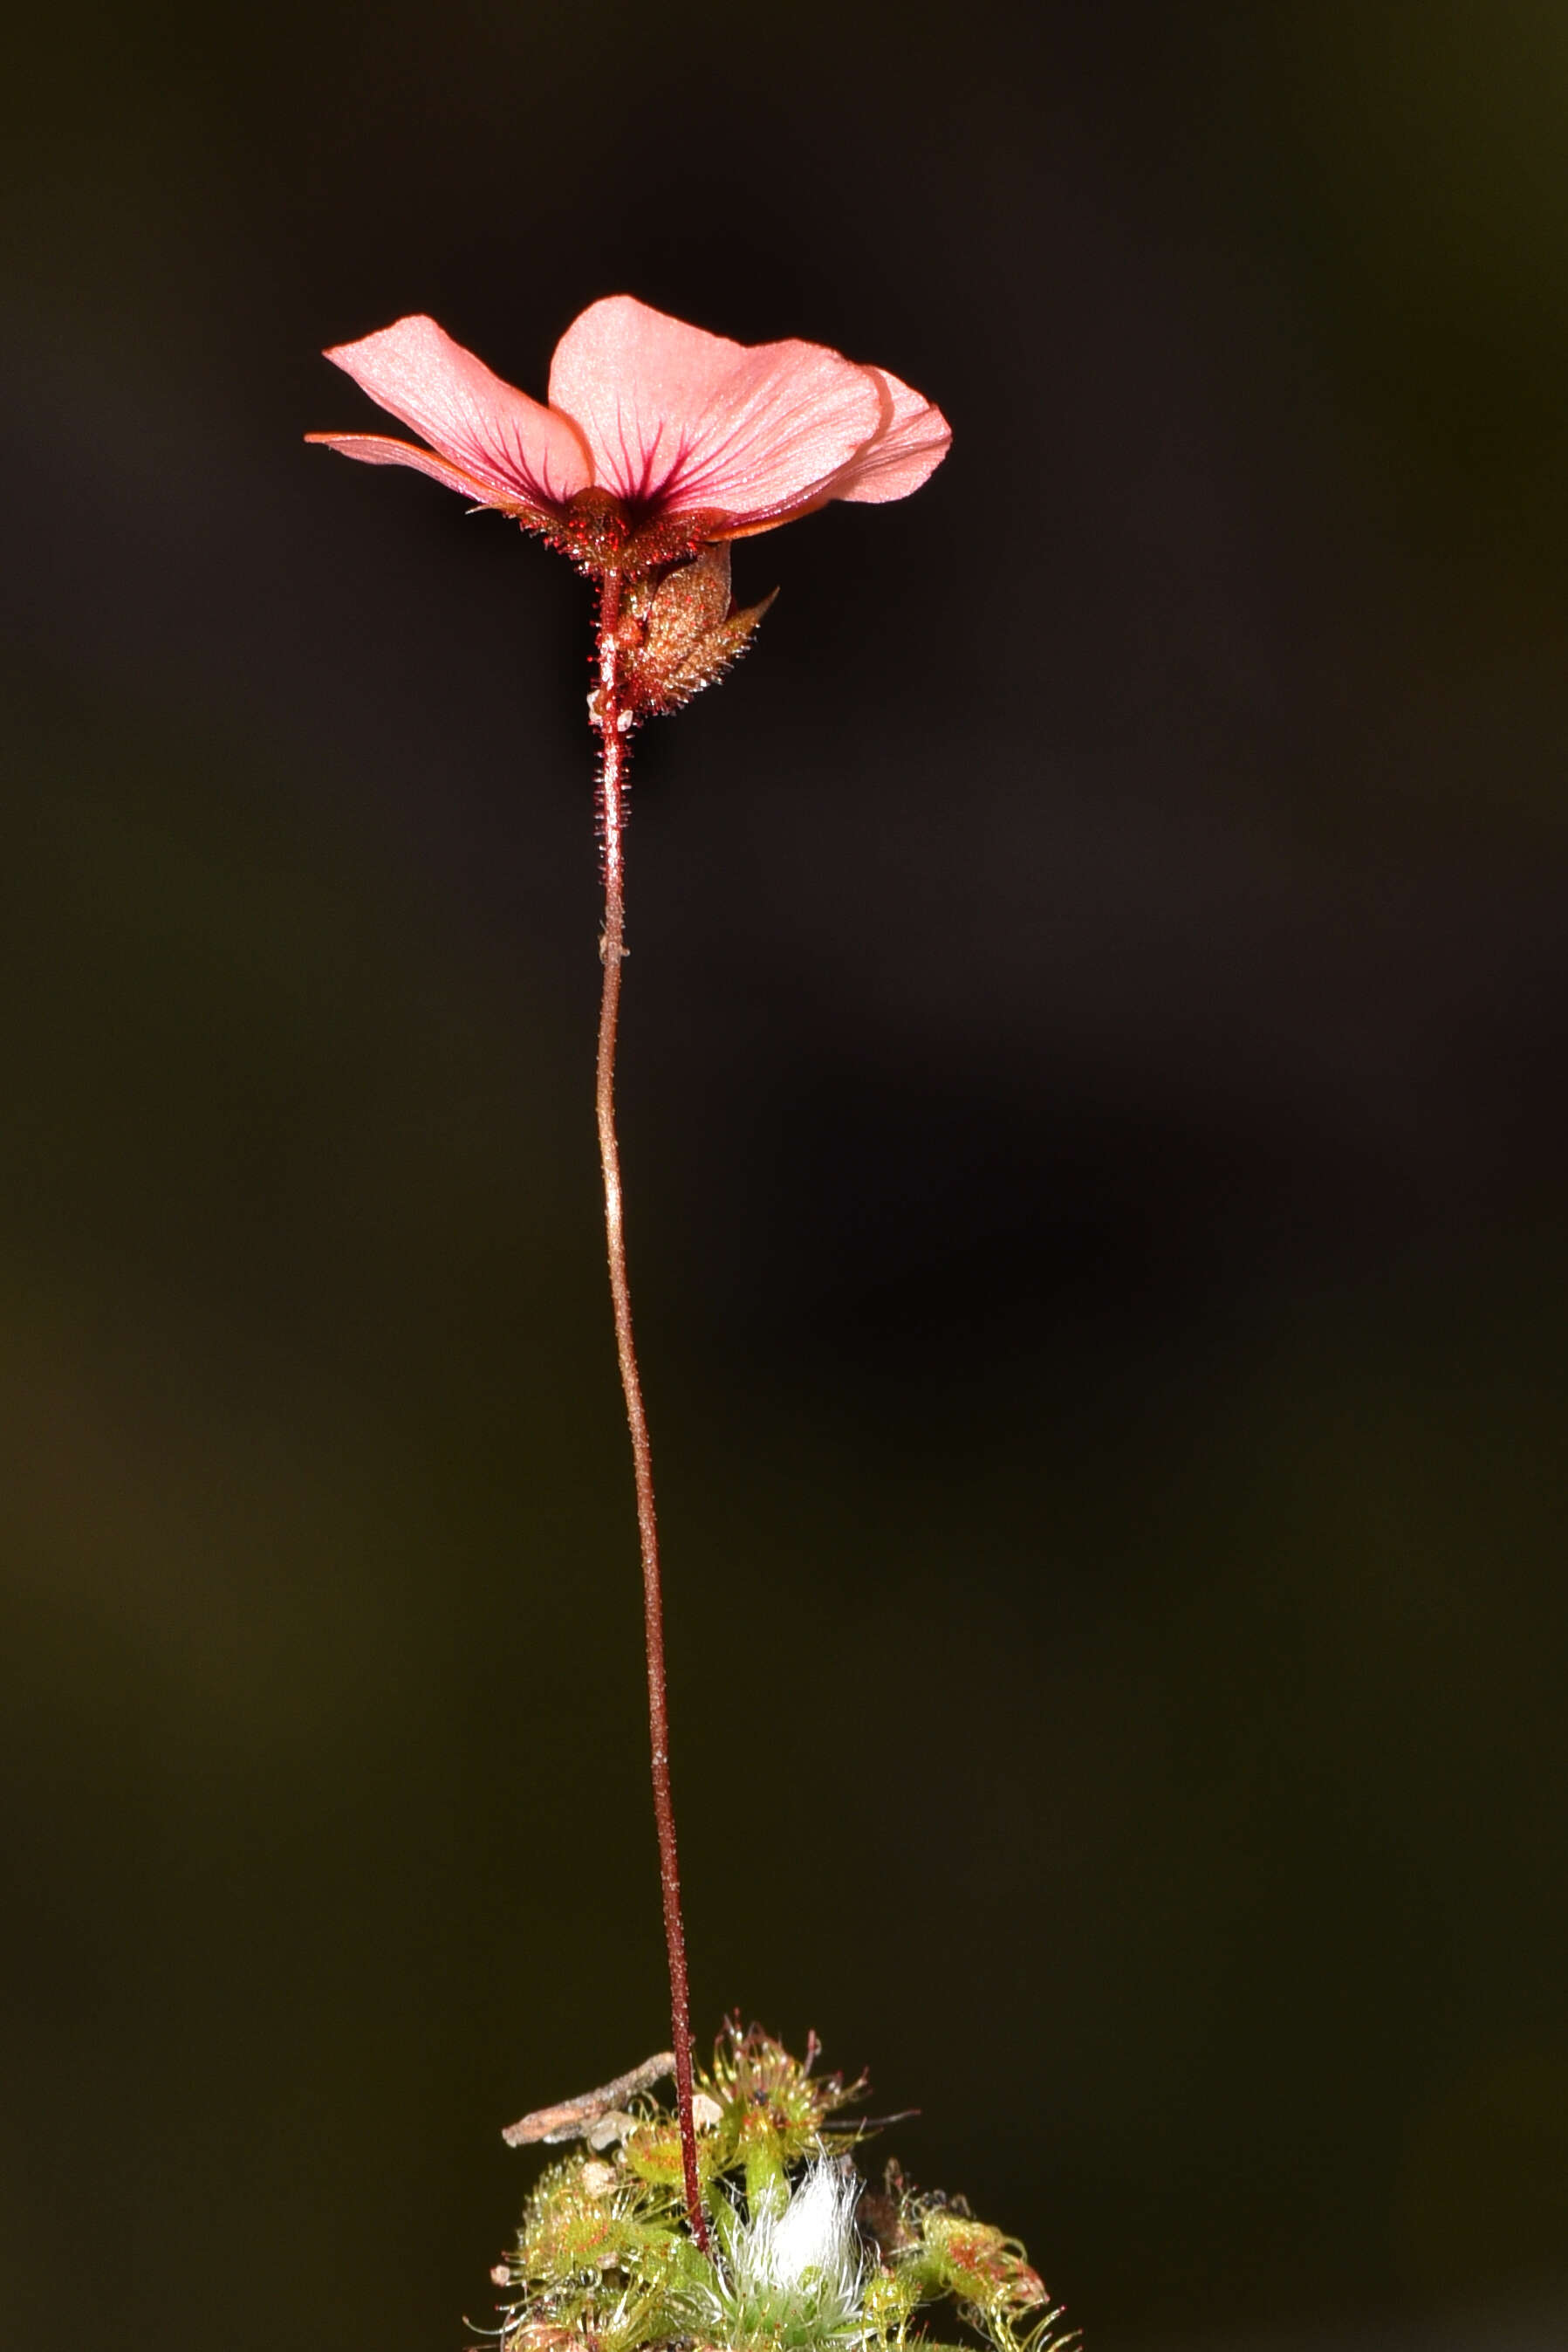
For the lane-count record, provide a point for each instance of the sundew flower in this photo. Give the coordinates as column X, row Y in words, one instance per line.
column 657, row 446
column 658, row 438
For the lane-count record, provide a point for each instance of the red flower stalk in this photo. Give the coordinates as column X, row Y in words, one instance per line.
column 659, row 444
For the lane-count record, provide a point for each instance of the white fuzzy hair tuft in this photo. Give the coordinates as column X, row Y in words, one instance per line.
column 812, row 2244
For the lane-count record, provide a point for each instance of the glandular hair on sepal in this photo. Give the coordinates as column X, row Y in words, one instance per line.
column 684, row 632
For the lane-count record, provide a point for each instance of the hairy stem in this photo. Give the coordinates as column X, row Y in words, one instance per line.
column 615, row 744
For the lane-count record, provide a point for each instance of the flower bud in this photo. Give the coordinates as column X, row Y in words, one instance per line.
column 685, row 633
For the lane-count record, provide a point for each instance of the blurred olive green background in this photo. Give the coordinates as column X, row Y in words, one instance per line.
column 1093, row 1114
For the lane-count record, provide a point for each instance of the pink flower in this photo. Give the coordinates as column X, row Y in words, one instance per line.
column 658, row 438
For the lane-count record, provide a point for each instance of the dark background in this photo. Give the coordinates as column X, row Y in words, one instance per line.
column 1093, row 1114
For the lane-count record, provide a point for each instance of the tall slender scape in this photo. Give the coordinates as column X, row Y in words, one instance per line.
column 659, row 444
column 615, row 743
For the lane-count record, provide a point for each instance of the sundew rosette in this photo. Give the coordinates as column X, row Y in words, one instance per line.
column 802, row 2255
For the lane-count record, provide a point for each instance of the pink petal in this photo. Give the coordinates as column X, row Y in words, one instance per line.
column 374, row 449
column 908, row 449
column 491, row 433
column 681, row 420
